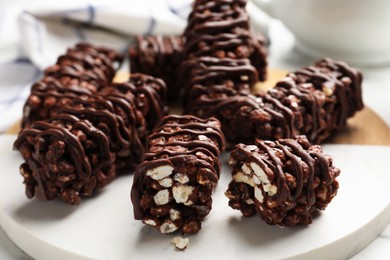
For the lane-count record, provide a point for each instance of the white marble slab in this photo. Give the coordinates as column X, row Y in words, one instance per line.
column 103, row 227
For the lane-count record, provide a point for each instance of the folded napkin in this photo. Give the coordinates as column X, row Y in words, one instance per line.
column 39, row 31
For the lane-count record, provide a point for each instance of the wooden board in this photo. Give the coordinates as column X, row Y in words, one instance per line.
column 366, row 127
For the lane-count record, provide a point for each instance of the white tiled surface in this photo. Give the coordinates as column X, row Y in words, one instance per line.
column 376, row 93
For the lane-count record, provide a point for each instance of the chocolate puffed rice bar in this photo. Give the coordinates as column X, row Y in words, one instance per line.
column 315, row 101
column 284, row 181
column 172, row 188
column 87, row 141
column 80, row 72
column 158, row 56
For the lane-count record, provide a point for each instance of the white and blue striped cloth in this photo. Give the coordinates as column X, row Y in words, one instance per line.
column 33, row 33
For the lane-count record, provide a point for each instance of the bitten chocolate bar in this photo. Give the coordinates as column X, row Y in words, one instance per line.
column 172, row 188
column 284, row 181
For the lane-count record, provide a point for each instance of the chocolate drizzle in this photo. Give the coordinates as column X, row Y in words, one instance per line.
column 284, row 181
column 214, row 17
column 190, row 146
column 82, row 71
column 158, row 56
column 220, row 52
column 86, row 63
column 213, row 80
column 314, row 101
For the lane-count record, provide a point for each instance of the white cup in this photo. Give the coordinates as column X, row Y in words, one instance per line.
column 356, row 31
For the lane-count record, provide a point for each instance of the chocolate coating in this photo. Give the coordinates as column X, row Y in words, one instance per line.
column 335, row 95
column 214, row 17
column 151, row 99
column 82, row 71
column 86, row 62
column 214, row 79
column 65, row 157
column 158, row 56
column 222, row 56
column 315, row 101
column 172, row 187
column 48, row 93
column 284, row 181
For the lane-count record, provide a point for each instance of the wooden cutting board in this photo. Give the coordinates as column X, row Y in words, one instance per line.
column 366, row 127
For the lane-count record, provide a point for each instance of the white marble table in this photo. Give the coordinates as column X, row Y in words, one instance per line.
column 376, row 93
